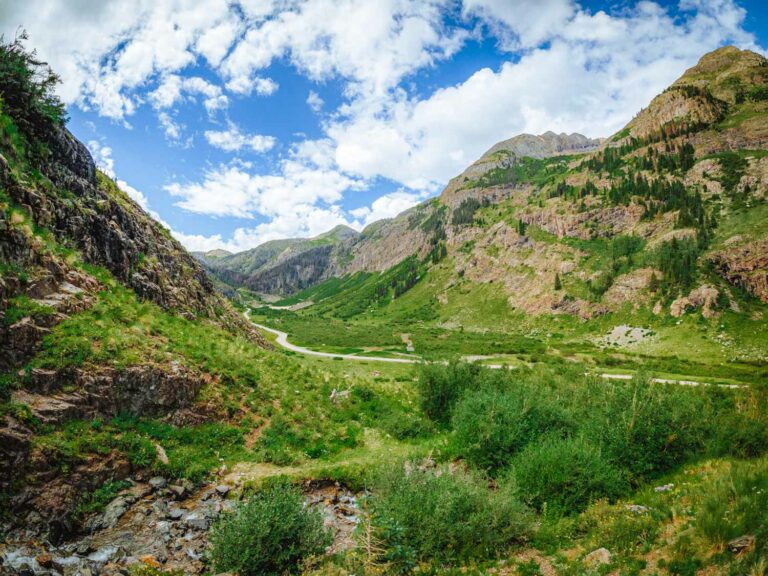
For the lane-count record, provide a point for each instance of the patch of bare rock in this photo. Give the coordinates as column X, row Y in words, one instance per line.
column 162, row 524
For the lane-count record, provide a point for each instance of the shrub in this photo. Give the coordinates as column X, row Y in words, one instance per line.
column 441, row 386
column 447, row 515
column 649, row 428
column 491, row 425
column 272, row 533
column 27, row 88
column 564, row 475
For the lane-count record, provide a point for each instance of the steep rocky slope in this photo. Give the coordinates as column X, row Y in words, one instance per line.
column 73, row 244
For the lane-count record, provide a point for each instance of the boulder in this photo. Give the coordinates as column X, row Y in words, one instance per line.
column 599, row 557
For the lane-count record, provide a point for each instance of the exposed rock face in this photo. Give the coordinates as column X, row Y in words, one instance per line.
column 109, row 229
column 282, row 266
column 746, row 266
column 141, row 390
column 161, row 526
column 592, row 223
column 105, row 392
column 703, row 297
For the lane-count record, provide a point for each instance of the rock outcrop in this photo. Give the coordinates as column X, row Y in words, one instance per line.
column 745, row 266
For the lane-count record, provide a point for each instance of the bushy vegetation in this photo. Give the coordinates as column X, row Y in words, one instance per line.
column 27, row 89
column 594, row 438
column 493, row 423
column 446, row 515
column 441, row 387
column 271, row 534
column 564, row 475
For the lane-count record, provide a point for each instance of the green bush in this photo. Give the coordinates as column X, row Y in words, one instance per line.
column 649, row 428
column 447, row 515
column 441, row 386
column 564, row 476
column 27, row 88
column 492, row 425
column 272, row 533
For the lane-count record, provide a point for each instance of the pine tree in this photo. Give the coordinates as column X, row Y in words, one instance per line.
column 558, row 284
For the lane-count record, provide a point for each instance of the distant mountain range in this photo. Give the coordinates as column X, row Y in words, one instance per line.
column 524, row 214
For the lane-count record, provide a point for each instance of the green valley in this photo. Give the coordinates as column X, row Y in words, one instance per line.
column 583, row 385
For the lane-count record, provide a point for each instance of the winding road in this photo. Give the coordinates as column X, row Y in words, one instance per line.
column 282, row 340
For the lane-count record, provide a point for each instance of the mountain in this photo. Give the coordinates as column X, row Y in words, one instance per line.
column 282, row 266
column 137, row 406
column 534, row 211
column 97, row 305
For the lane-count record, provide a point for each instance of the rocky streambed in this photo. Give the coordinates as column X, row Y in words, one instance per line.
column 160, row 524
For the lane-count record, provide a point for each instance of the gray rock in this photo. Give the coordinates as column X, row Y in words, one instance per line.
column 664, row 488
column 637, row 508
column 158, row 482
column 738, row 545
column 175, row 514
column 222, row 489
column 197, row 521
column 112, row 513
column 178, row 491
column 598, row 557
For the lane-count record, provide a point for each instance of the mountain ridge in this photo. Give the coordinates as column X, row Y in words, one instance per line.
column 685, row 118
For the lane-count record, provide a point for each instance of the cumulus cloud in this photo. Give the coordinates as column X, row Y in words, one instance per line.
column 589, row 74
column 314, row 101
column 232, row 190
column 386, row 206
column 567, row 68
column 173, row 88
column 102, row 156
column 232, row 140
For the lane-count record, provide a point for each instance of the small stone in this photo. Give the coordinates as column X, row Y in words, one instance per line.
column 197, row 522
column 175, row 514
column 598, row 557
column 178, row 491
column 637, row 508
column 150, row 560
column 738, row 545
column 158, row 482
column 45, row 560
column 664, row 488
column 222, row 489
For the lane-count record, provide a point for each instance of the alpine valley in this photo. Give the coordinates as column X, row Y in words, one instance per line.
column 559, row 365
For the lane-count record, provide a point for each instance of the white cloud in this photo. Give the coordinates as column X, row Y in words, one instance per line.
column 231, row 190
column 102, row 156
column 304, row 221
column 571, row 69
column 517, row 24
column 314, row 101
column 170, row 127
column 173, row 87
column 246, row 84
column 232, row 140
column 386, row 206
column 593, row 74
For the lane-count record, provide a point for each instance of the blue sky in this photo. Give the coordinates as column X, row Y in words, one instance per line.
column 234, row 123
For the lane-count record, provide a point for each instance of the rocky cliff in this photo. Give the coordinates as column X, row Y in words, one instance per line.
column 73, row 243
